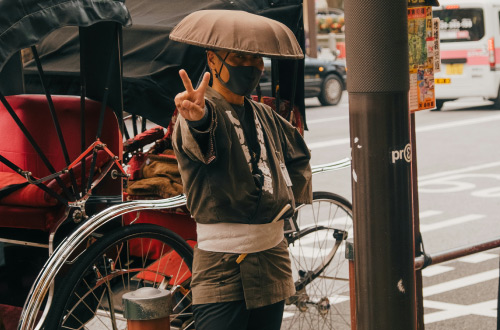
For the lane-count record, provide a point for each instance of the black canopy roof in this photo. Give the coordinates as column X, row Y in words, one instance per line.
column 24, row 22
column 151, row 61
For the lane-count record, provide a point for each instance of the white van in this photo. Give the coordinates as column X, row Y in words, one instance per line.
column 470, row 50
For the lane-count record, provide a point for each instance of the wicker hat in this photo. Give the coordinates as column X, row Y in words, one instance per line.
column 237, row 31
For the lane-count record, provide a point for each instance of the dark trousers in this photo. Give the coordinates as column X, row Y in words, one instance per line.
column 235, row 316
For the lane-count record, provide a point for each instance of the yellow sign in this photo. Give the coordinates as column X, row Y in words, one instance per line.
column 443, row 81
column 454, row 69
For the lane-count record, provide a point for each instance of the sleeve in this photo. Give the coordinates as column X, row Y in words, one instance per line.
column 197, row 142
column 203, row 123
column 297, row 160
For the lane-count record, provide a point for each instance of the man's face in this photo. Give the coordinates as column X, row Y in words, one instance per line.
column 238, row 59
column 235, row 59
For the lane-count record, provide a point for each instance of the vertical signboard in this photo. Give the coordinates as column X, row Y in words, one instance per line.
column 424, row 60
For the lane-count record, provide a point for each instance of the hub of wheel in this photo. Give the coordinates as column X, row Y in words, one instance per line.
column 323, row 306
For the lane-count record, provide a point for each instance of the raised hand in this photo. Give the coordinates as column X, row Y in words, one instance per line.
column 191, row 102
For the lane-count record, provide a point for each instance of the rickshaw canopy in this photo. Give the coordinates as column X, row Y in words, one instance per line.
column 151, row 61
column 23, row 23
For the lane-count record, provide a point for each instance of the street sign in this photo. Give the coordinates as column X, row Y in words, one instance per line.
column 424, row 58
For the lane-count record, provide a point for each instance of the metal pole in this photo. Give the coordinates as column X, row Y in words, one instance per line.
column 349, row 255
column 416, row 226
column 443, row 256
column 377, row 61
column 310, row 21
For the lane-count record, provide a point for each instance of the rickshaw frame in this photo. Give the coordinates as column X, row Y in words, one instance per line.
column 103, row 85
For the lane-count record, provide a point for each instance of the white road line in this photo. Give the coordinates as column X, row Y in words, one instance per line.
column 458, row 171
column 450, row 311
column 458, row 123
column 329, row 143
column 429, row 213
column 460, row 283
column 478, row 257
column 451, row 222
column 436, row 270
column 324, row 120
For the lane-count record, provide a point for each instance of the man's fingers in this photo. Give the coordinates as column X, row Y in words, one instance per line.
column 179, row 98
column 191, row 111
column 204, row 82
column 186, row 81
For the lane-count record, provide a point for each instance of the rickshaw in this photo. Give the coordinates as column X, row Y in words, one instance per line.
column 67, row 153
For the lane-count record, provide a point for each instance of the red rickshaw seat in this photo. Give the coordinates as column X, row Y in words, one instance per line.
column 42, row 210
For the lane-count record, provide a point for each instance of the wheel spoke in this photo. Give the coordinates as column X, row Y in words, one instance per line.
column 90, row 298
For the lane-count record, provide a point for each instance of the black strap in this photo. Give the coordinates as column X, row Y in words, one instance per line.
column 100, row 123
column 294, row 82
column 259, row 92
column 253, row 144
column 55, row 120
column 83, row 96
column 17, row 169
column 276, row 84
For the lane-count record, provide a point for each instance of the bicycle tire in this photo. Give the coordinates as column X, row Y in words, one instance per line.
column 84, row 298
column 319, row 266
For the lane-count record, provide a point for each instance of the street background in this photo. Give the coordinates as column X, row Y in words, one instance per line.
column 459, row 194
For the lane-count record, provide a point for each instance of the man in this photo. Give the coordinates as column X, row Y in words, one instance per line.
column 243, row 169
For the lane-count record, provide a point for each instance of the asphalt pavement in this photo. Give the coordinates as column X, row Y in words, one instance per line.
column 458, row 163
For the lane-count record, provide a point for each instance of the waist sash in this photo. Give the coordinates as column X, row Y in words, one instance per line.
column 239, row 237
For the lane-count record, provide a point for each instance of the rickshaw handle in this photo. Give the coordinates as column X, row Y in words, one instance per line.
column 343, row 163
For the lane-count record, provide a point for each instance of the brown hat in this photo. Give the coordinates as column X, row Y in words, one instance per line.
column 237, row 31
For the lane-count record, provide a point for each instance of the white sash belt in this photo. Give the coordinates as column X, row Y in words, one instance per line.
column 238, row 237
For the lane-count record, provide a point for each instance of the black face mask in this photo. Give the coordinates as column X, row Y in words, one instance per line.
column 242, row 79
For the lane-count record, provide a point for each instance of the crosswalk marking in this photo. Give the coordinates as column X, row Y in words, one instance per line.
column 436, row 270
column 450, row 311
column 460, row 283
column 429, row 213
column 451, row 222
column 478, row 257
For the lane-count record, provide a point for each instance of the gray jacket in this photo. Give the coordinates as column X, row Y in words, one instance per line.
column 217, row 181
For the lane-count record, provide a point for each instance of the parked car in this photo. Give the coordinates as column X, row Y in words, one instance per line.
column 324, row 79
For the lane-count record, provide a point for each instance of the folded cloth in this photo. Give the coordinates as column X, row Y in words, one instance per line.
column 160, row 177
column 159, row 165
column 157, row 186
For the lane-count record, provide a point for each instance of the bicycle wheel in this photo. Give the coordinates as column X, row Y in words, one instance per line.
column 123, row 260
column 319, row 267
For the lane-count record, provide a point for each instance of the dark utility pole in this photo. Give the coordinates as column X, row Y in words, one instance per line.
column 378, row 84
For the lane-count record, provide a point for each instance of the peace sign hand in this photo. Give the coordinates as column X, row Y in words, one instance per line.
column 191, row 102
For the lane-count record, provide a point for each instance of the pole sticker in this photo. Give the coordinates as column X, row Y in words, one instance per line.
column 402, row 155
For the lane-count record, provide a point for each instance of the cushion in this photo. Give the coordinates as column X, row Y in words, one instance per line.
column 33, row 111
column 38, row 218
